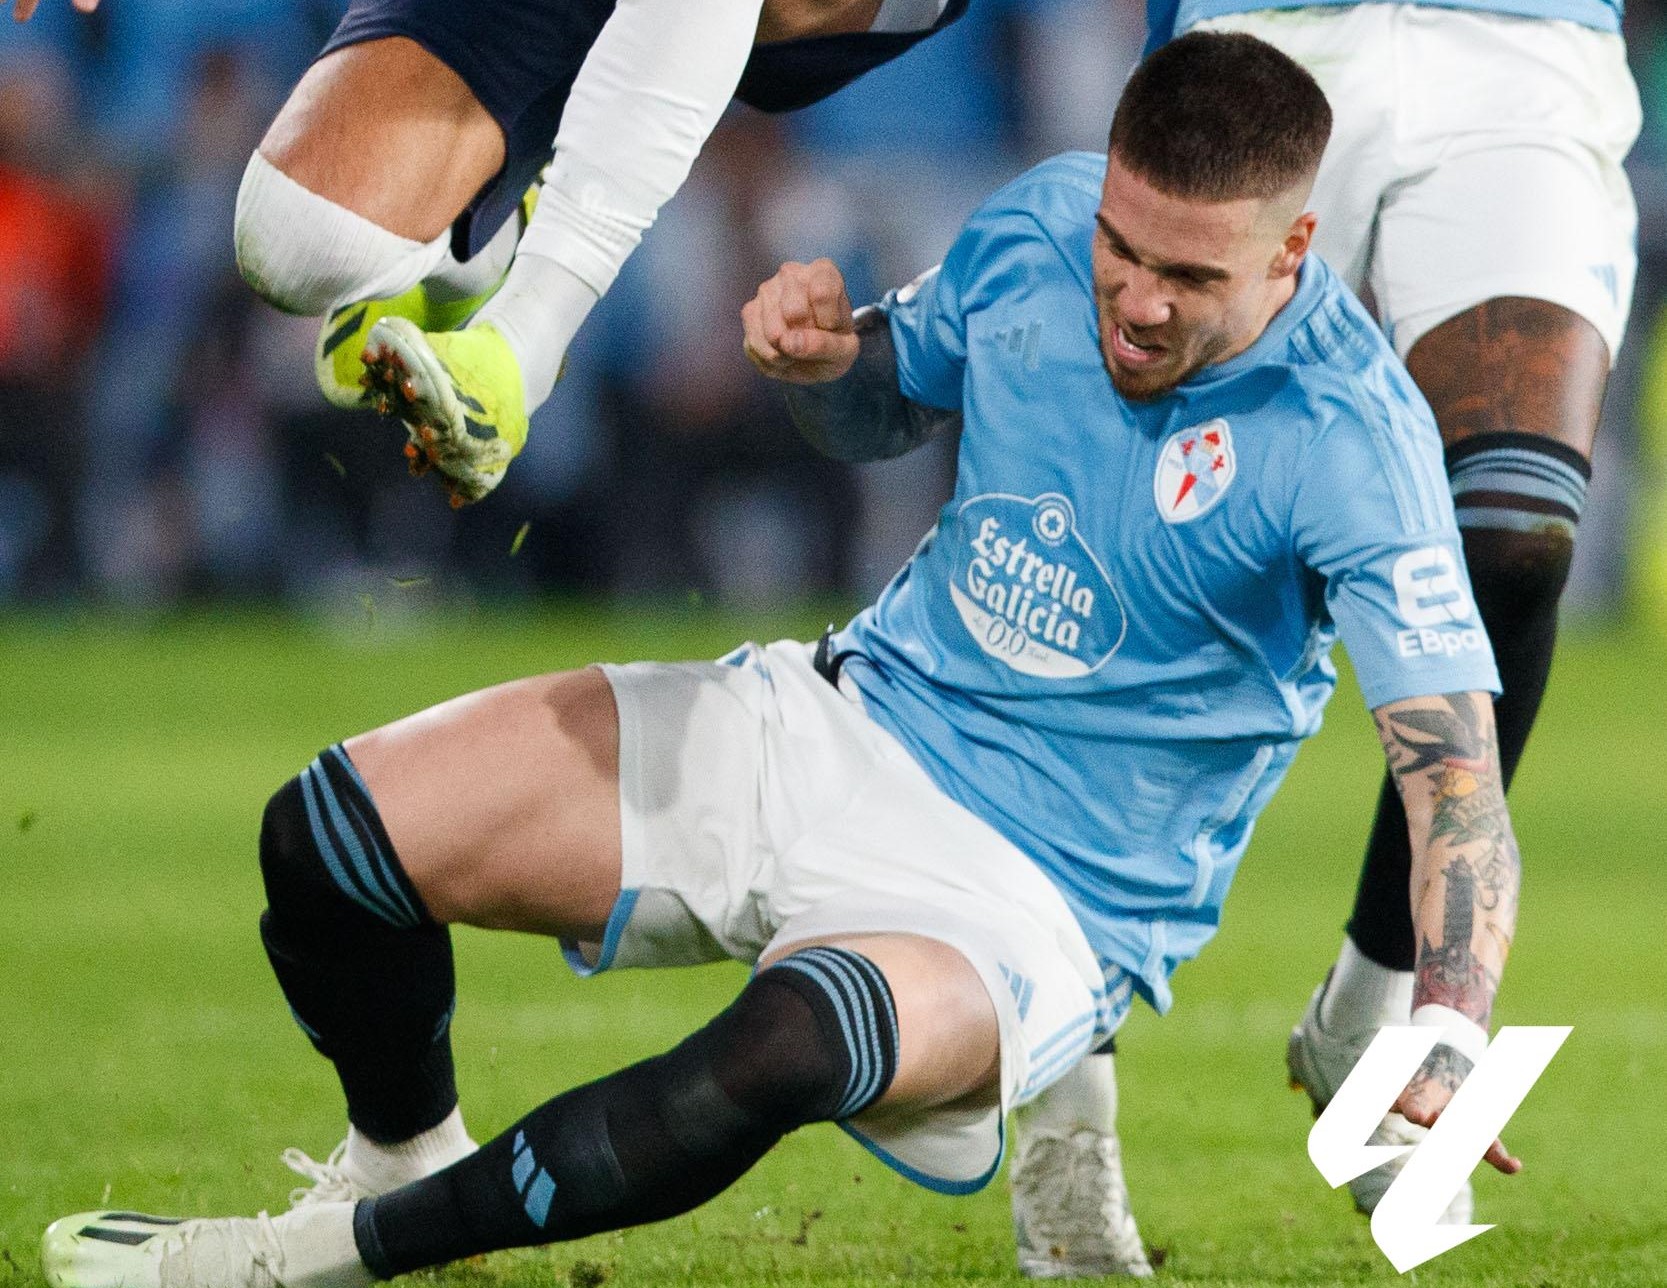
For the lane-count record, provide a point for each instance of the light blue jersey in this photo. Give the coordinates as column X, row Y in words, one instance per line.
column 1165, row 19
column 1116, row 636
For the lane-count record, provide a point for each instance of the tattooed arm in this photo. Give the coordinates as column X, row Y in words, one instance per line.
column 1465, row 874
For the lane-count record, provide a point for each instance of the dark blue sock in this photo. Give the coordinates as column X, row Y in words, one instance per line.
column 812, row 1038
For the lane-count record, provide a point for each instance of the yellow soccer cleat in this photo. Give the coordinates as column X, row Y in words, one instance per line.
column 460, row 396
column 338, row 357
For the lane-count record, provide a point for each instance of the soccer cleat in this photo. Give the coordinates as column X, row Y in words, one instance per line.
column 1071, row 1216
column 1318, row 1061
column 338, row 356
column 459, row 394
column 301, row 1249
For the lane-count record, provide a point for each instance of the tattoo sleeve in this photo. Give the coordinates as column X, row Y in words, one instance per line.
column 1465, row 866
column 864, row 415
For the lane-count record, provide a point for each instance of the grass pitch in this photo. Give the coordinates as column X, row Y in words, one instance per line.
column 148, row 1061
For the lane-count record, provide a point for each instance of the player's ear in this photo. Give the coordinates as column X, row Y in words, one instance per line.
column 1298, row 238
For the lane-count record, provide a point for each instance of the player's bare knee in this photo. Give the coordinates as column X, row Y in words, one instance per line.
column 797, row 19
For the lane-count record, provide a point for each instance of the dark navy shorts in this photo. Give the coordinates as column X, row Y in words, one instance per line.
column 521, row 57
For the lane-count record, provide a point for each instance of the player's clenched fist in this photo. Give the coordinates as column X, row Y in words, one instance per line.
column 798, row 327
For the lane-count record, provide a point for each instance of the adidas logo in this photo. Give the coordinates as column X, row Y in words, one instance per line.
column 1023, row 342
column 532, row 1182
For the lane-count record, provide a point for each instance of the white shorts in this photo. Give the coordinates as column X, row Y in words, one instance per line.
column 1472, row 156
column 761, row 807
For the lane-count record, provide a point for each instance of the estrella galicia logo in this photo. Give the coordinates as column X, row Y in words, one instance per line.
column 1030, row 591
column 1195, row 469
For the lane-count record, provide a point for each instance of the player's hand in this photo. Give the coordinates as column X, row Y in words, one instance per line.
column 1432, row 1087
column 23, row 10
column 798, row 327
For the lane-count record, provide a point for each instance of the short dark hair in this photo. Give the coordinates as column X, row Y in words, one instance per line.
column 1219, row 116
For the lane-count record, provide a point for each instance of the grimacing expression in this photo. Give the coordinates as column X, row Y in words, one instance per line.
column 1181, row 283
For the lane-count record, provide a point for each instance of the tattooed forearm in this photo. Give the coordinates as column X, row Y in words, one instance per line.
column 1451, row 974
column 1466, row 869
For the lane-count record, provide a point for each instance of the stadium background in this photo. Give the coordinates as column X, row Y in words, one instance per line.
column 161, row 438
column 206, row 574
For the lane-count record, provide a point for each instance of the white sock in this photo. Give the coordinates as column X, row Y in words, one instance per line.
column 649, row 93
column 1084, row 1099
column 1364, row 996
column 538, row 310
column 305, row 254
column 458, row 281
column 387, row 1167
column 318, row 1247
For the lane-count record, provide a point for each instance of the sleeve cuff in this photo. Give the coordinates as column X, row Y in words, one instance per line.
column 1458, row 1031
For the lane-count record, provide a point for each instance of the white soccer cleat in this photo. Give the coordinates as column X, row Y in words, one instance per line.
column 300, row 1249
column 1318, row 1061
column 1071, row 1214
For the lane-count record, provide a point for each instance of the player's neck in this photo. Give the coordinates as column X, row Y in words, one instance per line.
column 1281, row 293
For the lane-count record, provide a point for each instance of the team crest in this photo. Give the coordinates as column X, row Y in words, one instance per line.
column 1195, row 469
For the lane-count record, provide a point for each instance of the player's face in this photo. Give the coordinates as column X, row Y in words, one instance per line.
column 1183, row 283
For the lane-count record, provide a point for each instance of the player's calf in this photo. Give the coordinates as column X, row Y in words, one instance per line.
column 1518, row 499
column 366, row 970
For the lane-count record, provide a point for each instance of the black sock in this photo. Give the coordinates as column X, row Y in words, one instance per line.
column 812, row 1038
column 1518, row 499
column 366, row 971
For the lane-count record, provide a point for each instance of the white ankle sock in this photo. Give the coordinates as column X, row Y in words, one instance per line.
column 305, row 254
column 387, row 1167
column 1084, row 1099
column 319, row 1250
column 538, row 310
column 1364, row 996
column 458, row 281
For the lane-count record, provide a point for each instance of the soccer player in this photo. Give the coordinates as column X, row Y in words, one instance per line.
column 959, row 837
column 398, row 193
column 1473, row 193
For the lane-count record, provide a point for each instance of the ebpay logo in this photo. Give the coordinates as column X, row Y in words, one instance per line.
column 1406, row 1221
column 1030, row 590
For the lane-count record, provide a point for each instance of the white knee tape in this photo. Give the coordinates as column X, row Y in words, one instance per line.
column 305, row 254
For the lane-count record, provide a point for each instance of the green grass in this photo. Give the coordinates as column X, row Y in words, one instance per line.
column 147, row 1060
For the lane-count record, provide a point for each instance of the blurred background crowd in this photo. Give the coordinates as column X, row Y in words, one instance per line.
column 161, row 439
